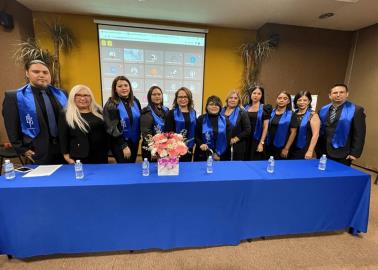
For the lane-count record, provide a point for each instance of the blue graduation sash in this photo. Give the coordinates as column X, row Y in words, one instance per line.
column 233, row 117
column 341, row 133
column 180, row 124
column 208, row 134
column 302, row 130
column 159, row 122
column 28, row 111
column 129, row 131
column 259, row 122
column 282, row 129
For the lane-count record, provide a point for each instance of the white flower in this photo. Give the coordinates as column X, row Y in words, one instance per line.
column 164, row 153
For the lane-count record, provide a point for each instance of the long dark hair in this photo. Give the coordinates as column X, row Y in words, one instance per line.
column 303, row 93
column 115, row 98
column 149, row 94
column 262, row 94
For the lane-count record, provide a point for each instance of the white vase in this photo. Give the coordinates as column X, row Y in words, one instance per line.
column 168, row 166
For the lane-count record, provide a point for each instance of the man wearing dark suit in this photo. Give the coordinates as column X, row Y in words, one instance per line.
column 343, row 127
column 31, row 113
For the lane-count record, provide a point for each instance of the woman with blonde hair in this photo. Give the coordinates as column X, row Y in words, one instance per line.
column 240, row 126
column 82, row 133
column 182, row 118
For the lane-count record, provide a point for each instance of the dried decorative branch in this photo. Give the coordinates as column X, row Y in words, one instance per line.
column 63, row 39
column 29, row 50
column 253, row 55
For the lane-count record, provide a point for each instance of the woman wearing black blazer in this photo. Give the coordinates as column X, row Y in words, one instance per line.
column 240, row 126
column 213, row 132
column 122, row 120
column 152, row 118
column 182, row 118
column 82, row 133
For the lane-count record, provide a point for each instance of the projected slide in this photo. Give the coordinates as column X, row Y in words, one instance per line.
column 169, row 59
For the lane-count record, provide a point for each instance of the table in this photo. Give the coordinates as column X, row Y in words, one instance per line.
column 116, row 208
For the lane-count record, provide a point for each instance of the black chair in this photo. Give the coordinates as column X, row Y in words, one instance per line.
column 8, row 153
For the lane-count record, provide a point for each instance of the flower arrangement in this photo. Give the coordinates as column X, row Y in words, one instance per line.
column 167, row 144
column 167, row 147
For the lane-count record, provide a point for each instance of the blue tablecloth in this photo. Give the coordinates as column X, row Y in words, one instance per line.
column 116, row 208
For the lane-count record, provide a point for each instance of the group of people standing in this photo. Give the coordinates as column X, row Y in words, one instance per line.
column 49, row 127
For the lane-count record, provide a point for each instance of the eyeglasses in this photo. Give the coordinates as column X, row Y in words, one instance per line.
column 182, row 97
column 82, row 96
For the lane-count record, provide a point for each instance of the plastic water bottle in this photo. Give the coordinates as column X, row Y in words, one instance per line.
column 8, row 169
column 209, row 164
column 145, row 167
column 322, row 163
column 270, row 168
column 79, row 173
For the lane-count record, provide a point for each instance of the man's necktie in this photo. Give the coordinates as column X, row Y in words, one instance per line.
column 332, row 114
column 50, row 114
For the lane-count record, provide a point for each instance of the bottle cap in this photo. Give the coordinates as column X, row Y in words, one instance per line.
column 7, row 161
column 145, row 159
column 78, row 161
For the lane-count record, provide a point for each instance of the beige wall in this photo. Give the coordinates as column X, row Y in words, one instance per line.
column 306, row 59
column 12, row 75
column 363, row 83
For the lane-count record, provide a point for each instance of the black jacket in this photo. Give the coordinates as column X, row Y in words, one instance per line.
column 356, row 139
column 41, row 144
column 91, row 147
column 242, row 130
column 200, row 155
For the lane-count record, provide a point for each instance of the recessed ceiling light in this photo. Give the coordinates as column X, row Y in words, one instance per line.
column 326, row 15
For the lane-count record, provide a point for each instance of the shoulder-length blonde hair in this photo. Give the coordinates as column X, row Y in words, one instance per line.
column 189, row 95
column 233, row 91
column 73, row 116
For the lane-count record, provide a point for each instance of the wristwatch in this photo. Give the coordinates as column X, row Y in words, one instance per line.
column 262, row 142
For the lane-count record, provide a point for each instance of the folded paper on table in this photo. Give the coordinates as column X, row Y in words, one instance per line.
column 43, row 170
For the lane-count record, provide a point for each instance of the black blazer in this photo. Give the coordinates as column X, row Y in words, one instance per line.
column 356, row 139
column 147, row 127
column 91, row 147
column 40, row 144
column 113, row 123
column 147, row 124
column 72, row 141
column 242, row 130
column 200, row 155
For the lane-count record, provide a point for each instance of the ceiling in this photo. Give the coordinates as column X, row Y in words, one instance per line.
column 245, row 14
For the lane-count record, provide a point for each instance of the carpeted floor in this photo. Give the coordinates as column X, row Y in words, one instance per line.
column 334, row 251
